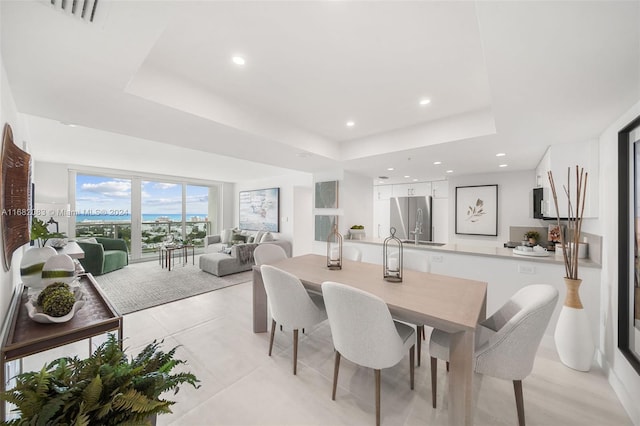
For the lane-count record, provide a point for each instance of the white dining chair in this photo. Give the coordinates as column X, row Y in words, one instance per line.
column 506, row 342
column 364, row 332
column 265, row 254
column 352, row 253
column 290, row 305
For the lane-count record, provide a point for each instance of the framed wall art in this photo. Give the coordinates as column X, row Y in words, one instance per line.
column 326, row 195
column 16, row 192
column 477, row 210
column 259, row 210
column 324, row 226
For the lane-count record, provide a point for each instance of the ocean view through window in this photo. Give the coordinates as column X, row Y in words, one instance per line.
column 169, row 212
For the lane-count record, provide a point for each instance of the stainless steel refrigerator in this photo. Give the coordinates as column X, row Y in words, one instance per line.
column 411, row 216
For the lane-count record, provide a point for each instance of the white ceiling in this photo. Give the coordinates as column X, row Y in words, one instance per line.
column 154, row 80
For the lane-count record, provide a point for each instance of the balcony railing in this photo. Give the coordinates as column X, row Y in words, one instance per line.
column 154, row 234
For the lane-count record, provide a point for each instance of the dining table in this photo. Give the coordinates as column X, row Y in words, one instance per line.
column 455, row 305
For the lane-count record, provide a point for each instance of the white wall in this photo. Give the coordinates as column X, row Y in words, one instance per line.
column 514, row 204
column 622, row 376
column 52, row 186
column 355, row 203
column 291, row 206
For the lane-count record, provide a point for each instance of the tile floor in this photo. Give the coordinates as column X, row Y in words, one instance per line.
column 242, row 385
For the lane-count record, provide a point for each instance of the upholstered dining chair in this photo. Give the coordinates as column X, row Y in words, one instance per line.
column 290, row 305
column 506, row 342
column 352, row 253
column 266, row 254
column 364, row 332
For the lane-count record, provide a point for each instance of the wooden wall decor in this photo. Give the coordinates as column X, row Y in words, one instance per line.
column 15, row 175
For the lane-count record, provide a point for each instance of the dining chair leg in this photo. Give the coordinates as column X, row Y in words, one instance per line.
column 377, row 374
column 295, row 351
column 412, row 368
column 336, row 368
column 419, row 341
column 273, row 333
column 434, row 380
column 422, row 332
column 517, row 388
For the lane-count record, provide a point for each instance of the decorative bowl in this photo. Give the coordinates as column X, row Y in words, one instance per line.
column 57, row 242
column 58, row 268
column 36, row 314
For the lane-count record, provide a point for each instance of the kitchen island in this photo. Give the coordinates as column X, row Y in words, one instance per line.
column 504, row 271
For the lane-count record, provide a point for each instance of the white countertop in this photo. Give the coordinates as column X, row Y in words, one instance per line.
column 478, row 250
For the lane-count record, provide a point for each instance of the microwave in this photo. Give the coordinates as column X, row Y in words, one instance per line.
column 539, row 203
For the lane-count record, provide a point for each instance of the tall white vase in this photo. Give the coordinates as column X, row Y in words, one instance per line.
column 573, row 338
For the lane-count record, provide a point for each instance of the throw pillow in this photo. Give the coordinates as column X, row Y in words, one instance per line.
column 258, row 237
column 238, row 236
column 88, row 240
column 267, row 237
column 225, row 236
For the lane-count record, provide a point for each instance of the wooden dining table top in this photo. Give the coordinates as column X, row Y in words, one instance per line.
column 449, row 303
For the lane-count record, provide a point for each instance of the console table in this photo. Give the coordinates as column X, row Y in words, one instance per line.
column 21, row 336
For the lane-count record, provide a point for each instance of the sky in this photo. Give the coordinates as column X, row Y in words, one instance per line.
column 108, row 193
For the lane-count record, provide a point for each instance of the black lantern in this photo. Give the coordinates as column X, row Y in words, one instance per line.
column 392, row 258
column 334, row 249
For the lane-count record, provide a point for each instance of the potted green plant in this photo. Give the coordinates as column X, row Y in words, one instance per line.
column 532, row 237
column 40, row 232
column 104, row 389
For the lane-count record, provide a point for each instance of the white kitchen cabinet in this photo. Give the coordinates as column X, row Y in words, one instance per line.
column 381, row 218
column 412, row 189
column 558, row 159
column 440, row 219
column 440, row 189
column 382, row 192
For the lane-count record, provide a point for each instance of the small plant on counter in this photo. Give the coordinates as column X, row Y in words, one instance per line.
column 532, row 236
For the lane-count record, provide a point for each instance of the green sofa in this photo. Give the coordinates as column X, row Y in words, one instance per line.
column 104, row 255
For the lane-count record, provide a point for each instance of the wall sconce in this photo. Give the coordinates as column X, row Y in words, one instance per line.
column 392, row 258
column 334, row 249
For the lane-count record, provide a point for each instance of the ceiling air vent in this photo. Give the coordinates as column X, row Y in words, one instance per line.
column 82, row 9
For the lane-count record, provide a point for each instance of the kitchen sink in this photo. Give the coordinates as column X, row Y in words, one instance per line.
column 423, row 243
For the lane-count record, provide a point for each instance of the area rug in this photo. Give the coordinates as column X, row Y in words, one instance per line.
column 144, row 285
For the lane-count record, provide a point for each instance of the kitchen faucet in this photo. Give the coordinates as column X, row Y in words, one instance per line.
column 418, row 231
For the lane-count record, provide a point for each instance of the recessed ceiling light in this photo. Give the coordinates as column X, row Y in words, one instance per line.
column 390, row 169
column 407, row 176
column 449, row 171
column 238, row 60
column 500, row 154
column 437, row 163
column 424, row 102
column 350, row 123
column 503, row 165
column 415, row 180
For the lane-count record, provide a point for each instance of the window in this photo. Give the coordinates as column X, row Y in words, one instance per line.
column 160, row 211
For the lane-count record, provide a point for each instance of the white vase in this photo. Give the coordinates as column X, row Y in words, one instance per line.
column 573, row 338
column 32, row 263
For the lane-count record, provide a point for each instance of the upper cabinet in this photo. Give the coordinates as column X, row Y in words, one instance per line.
column 382, row 192
column 440, row 189
column 437, row 189
column 412, row 189
column 559, row 159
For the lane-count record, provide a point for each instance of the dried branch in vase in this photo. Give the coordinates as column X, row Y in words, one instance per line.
column 574, row 217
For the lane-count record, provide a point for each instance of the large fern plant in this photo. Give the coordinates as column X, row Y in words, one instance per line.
column 104, row 389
